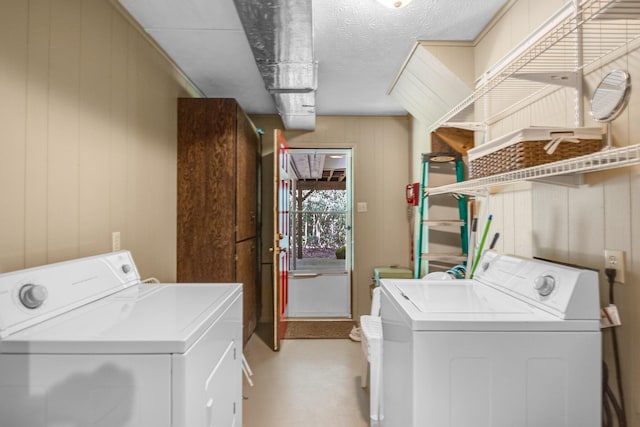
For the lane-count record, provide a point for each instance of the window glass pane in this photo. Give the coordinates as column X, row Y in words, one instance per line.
column 319, row 230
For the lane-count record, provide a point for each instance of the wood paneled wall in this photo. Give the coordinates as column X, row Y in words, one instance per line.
column 380, row 171
column 575, row 224
column 518, row 19
column 87, row 137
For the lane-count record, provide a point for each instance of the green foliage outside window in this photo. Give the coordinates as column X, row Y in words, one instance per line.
column 322, row 222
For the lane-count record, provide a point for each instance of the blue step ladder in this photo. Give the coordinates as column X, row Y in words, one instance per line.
column 423, row 256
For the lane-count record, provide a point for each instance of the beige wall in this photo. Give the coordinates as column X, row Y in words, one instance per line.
column 88, row 146
column 380, row 170
column 88, row 137
column 420, row 143
column 575, row 224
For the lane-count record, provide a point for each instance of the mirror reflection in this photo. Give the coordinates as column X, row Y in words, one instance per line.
column 611, row 96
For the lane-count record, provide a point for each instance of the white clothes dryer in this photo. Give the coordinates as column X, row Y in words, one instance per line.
column 85, row 343
column 519, row 345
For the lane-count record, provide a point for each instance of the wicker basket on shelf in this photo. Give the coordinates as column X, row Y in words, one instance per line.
column 532, row 147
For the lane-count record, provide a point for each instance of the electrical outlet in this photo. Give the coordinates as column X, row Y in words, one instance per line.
column 614, row 258
column 115, row 241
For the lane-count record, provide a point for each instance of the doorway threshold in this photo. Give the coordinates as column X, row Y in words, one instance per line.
column 327, row 328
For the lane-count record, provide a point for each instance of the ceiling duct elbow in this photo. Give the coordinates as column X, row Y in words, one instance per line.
column 289, row 76
column 297, row 110
column 280, row 33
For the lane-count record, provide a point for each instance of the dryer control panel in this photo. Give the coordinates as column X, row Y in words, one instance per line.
column 565, row 291
column 36, row 294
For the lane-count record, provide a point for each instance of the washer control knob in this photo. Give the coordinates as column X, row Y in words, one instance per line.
column 544, row 285
column 126, row 268
column 32, row 296
column 485, row 266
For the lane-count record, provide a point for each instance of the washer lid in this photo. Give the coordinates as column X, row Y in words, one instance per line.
column 461, row 298
column 468, row 305
column 166, row 318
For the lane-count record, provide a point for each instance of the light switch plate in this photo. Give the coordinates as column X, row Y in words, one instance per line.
column 362, row 206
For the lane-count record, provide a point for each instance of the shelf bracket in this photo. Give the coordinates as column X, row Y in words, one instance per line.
column 558, row 78
column 574, row 180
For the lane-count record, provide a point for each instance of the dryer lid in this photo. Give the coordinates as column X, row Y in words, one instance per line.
column 165, row 318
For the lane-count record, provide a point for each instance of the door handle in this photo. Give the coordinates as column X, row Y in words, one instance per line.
column 306, row 275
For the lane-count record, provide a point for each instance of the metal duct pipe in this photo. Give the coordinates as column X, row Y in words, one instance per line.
column 280, row 33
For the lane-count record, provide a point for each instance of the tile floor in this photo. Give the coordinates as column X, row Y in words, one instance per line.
column 309, row 382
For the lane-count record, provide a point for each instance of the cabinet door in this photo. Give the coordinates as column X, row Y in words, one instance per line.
column 206, row 193
column 246, row 178
column 247, row 274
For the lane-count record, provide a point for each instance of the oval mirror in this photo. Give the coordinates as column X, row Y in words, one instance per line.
column 611, row 96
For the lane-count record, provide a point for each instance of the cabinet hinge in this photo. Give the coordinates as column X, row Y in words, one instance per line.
column 234, row 408
column 234, row 354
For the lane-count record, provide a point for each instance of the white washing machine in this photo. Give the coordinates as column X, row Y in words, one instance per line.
column 519, row 345
column 85, row 343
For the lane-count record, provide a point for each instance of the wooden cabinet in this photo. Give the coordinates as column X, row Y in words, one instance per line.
column 246, row 272
column 246, row 179
column 217, row 199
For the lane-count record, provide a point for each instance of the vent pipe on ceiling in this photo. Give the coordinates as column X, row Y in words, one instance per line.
column 280, row 33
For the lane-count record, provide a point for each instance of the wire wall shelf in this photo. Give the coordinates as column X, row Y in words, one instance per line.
column 606, row 159
column 573, row 42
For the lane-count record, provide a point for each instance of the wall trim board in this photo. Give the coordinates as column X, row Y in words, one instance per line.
column 445, row 43
column 193, row 90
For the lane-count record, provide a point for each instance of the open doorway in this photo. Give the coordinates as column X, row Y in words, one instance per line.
column 320, row 218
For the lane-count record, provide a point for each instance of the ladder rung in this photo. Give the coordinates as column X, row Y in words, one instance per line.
column 433, row 256
column 443, row 222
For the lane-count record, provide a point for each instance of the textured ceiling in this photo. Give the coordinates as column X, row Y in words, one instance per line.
column 359, row 45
